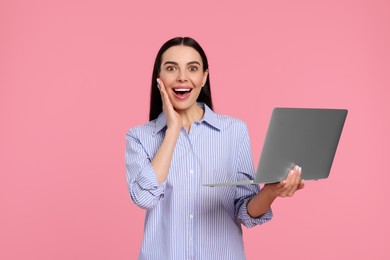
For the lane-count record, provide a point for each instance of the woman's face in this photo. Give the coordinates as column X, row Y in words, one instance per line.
column 183, row 76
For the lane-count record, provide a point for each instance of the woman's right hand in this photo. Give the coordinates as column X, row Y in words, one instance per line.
column 173, row 118
column 162, row 160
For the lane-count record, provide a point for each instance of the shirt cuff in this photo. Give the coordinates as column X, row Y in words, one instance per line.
column 248, row 221
column 147, row 180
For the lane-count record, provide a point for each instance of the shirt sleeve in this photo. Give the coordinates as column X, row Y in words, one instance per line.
column 244, row 193
column 142, row 183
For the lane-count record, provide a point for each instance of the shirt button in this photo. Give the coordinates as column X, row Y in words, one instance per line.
column 190, row 193
column 191, row 216
column 191, row 171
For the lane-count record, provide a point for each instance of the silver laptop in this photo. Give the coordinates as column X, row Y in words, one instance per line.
column 301, row 136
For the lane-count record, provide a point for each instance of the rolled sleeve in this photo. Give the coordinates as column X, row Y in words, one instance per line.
column 246, row 219
column 245, row 193
column 147, row 180
column 143, row 186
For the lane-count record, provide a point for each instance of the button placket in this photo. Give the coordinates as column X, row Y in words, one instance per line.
column 190, row 183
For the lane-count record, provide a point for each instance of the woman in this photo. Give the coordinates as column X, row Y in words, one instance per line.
column 184, row 145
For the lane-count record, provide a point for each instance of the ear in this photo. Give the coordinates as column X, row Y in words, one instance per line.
column 205, row 75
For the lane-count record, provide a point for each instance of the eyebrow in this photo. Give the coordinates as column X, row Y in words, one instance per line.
column 175, row 63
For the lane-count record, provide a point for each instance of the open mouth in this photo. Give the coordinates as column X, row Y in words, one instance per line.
column 182, row 91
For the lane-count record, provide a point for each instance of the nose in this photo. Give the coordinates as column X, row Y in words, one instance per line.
column 182, row 76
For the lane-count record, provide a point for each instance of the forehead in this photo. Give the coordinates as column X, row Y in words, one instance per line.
column 181, row 54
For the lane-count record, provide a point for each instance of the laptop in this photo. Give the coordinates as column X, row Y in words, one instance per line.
column 298, row 136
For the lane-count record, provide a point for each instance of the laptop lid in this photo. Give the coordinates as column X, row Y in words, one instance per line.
column 303, row 136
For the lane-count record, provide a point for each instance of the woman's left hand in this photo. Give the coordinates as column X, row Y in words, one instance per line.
column 260, row 203
column 288, row 186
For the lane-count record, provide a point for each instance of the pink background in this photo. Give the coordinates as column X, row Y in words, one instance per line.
column 75, row 75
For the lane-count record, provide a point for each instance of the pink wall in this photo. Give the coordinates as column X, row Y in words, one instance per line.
column 75, row 75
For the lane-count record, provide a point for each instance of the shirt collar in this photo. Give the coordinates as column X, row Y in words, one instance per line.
column 209, row 117
column 161, row 123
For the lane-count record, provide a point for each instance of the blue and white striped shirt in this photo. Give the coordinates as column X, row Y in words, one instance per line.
column 184, row 219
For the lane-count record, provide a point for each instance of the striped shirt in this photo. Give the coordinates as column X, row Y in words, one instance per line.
column 184, row 219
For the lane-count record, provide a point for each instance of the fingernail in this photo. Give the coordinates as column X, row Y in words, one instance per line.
column 296, row 168
column 300, row 169
column 291, row 172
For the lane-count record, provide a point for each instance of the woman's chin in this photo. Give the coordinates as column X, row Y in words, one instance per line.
column 183, row 106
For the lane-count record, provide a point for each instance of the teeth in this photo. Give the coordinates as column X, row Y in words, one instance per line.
column 182, row 89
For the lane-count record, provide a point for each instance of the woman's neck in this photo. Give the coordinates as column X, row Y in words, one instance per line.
column 188, row 116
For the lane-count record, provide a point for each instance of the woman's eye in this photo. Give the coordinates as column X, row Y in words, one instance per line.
column 193, row 68
column 171, row 68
